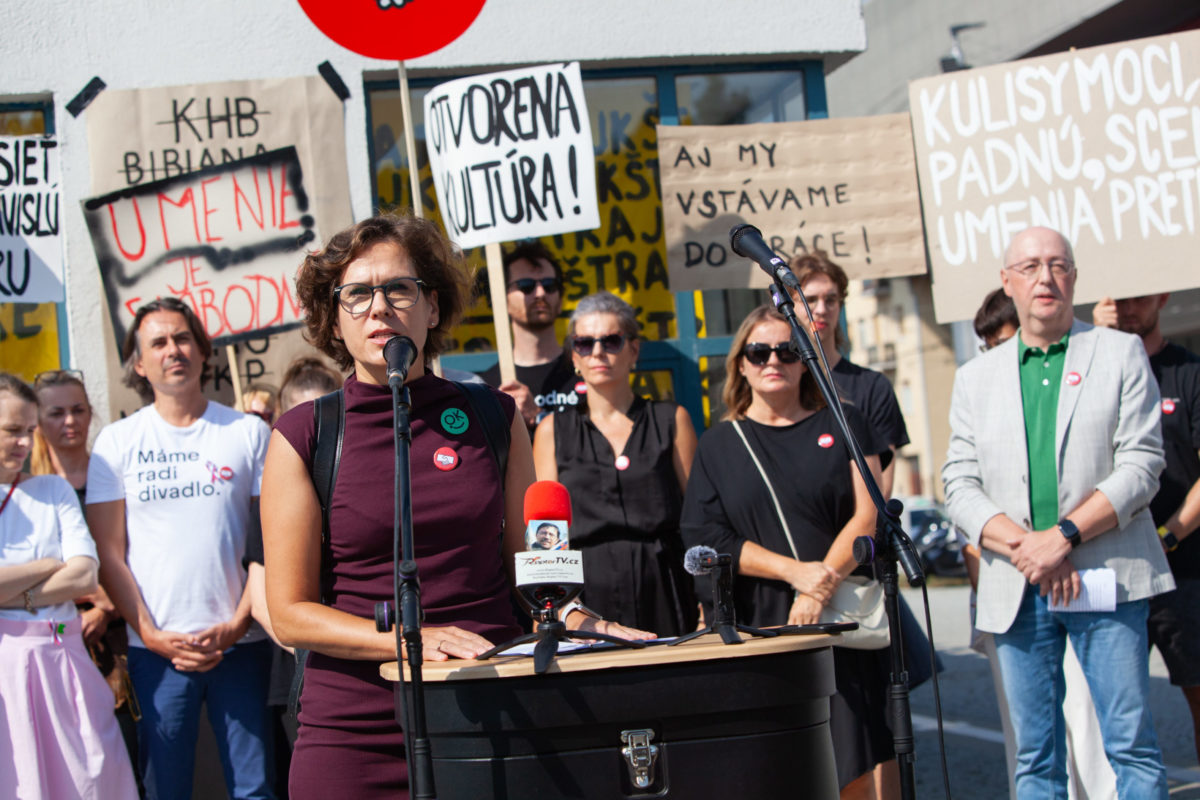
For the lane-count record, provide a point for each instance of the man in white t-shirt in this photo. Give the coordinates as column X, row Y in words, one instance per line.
column 172, row 492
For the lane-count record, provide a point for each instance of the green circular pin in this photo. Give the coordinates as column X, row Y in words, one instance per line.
column 454, row 420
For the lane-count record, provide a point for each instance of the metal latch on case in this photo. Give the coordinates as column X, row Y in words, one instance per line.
column 640, row 755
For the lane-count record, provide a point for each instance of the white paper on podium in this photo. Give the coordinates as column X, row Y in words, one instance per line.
column 1098, row 592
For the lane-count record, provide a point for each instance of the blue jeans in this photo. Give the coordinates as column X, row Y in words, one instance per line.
column 236, row 693
column 1112, row 651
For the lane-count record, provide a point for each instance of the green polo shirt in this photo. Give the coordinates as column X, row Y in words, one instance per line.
column 1041, row 376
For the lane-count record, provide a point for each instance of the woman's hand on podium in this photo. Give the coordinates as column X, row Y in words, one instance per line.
column 605, row 626
column 442, row 643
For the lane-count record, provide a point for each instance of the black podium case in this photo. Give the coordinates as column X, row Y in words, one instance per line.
column 702, row 720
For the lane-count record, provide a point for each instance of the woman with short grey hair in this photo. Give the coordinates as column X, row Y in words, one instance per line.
column 625, row 461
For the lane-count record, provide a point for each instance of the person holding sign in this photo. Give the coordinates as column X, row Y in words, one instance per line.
column 1054, row 456
column 1174, row 628
column 534, row 294
column 387, row 276
column 791, row 557
column 626, row 462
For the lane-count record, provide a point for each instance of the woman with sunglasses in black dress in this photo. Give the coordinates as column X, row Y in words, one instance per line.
column 774, row 402
column 625, row 461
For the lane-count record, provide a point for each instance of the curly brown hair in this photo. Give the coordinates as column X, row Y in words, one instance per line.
column 437, row 262
column 737, row 394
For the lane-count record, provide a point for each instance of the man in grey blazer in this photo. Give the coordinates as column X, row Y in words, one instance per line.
column 1054, row 456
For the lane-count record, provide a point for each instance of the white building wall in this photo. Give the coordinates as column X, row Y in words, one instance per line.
column 54, row 47
column 907, row 38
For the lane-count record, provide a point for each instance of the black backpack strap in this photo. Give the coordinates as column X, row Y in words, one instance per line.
column 487, row 409
column 329, row 414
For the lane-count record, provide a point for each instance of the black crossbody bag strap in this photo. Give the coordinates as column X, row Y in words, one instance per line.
column 329, row 413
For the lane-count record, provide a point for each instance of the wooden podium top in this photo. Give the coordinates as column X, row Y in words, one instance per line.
column 703, row 648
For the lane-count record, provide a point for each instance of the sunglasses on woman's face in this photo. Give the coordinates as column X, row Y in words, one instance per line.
column 759, row 354
column 529, row 285
column 613, row 343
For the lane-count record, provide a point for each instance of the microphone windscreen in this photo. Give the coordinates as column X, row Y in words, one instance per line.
column 735, row 238
column 547, row 500
column 693, row 559
column 399, row 352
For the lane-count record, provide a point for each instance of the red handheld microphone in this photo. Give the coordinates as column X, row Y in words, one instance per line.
column 547, row 500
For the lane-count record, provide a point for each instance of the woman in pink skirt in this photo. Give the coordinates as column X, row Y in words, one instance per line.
column 58, row 735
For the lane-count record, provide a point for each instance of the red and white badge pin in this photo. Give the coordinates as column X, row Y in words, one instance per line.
column 622, row 462
column 581, row 388
column 1073, row 378
column 825, row 440
column 1168, row 406
column 445, row 458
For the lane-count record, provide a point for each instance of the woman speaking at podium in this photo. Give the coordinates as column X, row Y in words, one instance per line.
column 778, row 428
column 383, row 277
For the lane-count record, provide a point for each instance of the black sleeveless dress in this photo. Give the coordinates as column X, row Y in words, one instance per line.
column 626, row 518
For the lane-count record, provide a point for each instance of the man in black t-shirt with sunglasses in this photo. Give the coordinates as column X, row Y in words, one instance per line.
column 545, row 379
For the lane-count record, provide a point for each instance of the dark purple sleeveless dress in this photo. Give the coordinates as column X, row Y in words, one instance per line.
column 349, row 743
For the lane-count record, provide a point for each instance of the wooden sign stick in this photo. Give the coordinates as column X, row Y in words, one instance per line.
column 499, row 292
column 234, row 375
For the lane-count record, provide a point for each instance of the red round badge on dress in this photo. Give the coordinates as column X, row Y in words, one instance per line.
column 825, row 440
column 1168, row 406
column 445, row 458
column 622, row 462
column 1073, row 378
column 581, row 388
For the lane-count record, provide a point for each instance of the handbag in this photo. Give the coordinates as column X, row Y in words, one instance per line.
column 857, row 599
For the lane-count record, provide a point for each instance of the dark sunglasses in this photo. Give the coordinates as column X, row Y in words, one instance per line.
column 528, row 285
column 759, row 354
column 613, row 343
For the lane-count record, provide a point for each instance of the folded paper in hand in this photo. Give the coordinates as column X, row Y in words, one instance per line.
column 1098, row 592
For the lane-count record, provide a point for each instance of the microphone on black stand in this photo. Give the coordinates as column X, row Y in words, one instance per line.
column 703, row 560
column 891, row 543
column 399, row 352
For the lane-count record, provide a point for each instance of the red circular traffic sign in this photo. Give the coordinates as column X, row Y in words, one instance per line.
column 392, row 29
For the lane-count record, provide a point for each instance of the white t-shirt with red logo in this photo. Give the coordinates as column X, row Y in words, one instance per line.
column 187, row 494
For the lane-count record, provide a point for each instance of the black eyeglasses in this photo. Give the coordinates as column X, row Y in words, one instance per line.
column 529, row 285
column 613, row 343
column 400, row 293
column 759, row 354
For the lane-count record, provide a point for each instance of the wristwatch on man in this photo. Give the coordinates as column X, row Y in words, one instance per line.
column 1069, row 531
